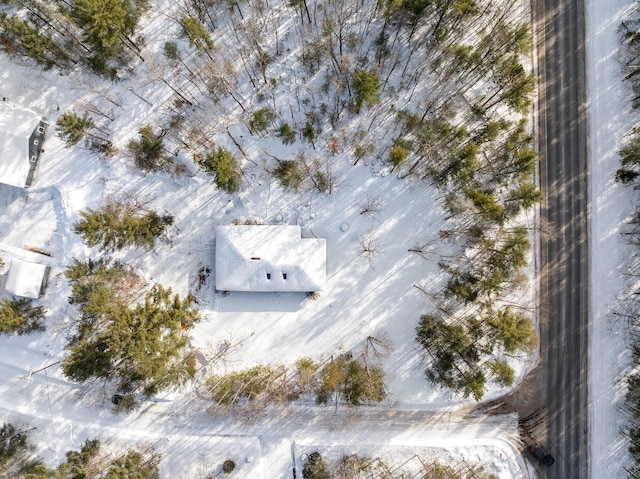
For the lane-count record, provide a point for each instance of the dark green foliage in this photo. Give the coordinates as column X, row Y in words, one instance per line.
column 105, row 24
column 19, row 316
column 354, row 381
column 458, row 350
column 148, row 150
column 224, row 167
column 513, row 331
column 13, row 446
column 309, row 133
column 486, row 204
column 71, row 128
column 18, row 37
column 261, row 119
column 228, row 466
column 503, row 373
column 119, row 225
column 315, row 467
column 88, row 463
column 286, row 134
column 366, row 88
column 139, row 347
column 133, row 465
column 170, row 50
column 397, row 155
column 289, row 174
column 630, row 160
column 196, row 32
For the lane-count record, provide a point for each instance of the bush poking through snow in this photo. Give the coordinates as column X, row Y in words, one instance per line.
column 228, row 466
column 315, row 467
column 19, row 316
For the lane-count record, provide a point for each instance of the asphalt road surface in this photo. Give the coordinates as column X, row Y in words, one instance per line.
column 564, row 280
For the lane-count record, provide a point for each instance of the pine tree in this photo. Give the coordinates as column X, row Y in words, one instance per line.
column 366, row 88
column 286, row 134
column 196, row 32
column 119, row 225
column 106, row 23
column 19, row 316
column 514, row 331
column 133, row 465
column 141, row 348
column 19, row 37
column 148, row 150
column 72, row 128
column 224, row 167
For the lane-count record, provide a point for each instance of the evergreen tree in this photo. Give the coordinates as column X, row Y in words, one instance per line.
column 630, row 161
column 19, row 316
column 355, row 381
column 289, row 174
column 286, row 134
column 19, row 37
column 514, row 331
column 119, row 225
column 224, row 167
column 503, row 373
column 366, row 87
column 72, row 128
column 315, row 467
column 148, row 150
column 196, row 32
column 106, row 23
column 13, row 446
column 133, row 465
column 397, row 156
column 261, row 119
column 141, row 347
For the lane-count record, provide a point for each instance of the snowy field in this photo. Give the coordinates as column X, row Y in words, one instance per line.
column 363, row 296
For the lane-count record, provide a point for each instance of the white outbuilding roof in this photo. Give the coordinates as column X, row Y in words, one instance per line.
column 26, row 279
column 21, row 138
column 269, row 258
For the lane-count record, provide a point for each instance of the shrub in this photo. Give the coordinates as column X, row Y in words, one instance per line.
column 315, row 467
column 228, row 466
column 261, row 120
column 286, row 134
column 289, row 174
column 148, row 150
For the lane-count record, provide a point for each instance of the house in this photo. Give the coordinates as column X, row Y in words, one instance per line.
column 22, row 134
column 269, row 258
column 24, row 273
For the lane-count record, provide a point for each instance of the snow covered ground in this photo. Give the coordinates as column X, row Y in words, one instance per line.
column 611, row 118
column 364, row 296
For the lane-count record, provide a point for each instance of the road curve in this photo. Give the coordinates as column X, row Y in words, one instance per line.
column 564, row 278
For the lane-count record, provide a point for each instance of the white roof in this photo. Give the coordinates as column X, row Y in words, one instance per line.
column 25, row 278
column 16, row 127
column 269, row 258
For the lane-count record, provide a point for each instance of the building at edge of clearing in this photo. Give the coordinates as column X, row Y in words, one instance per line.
column 23, row 273
column 269, row 258
column 22, row 135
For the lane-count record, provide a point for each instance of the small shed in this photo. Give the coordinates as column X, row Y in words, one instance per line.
column 22, row 134
column 269, row 258
column 26, row 279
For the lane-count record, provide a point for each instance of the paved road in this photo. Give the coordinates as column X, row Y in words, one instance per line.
column 564, row 279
